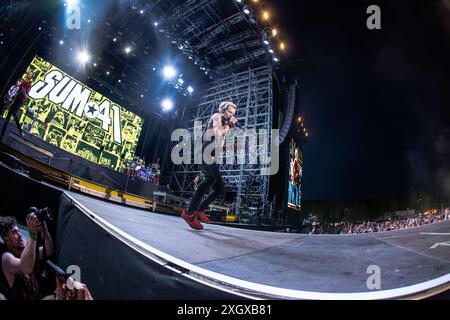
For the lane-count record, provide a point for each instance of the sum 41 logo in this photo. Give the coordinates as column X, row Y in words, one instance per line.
column 71, row 95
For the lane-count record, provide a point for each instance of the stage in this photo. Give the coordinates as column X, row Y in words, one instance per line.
column 282, row 265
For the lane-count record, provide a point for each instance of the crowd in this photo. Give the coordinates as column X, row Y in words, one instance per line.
column 378, row 226
column 23, row 263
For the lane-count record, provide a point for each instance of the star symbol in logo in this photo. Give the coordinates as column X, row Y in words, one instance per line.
column 92, row 109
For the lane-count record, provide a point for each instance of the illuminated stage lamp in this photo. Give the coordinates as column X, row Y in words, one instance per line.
column 169, row 72
column 83, row 57
column 190, row 89
column 167, row 104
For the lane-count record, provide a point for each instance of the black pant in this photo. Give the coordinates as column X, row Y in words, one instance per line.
column 212, row 179
column 12, row 112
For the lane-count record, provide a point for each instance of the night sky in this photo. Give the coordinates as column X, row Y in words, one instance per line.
column 376, row 103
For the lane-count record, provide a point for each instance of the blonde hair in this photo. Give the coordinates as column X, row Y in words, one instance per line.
column 224, row 105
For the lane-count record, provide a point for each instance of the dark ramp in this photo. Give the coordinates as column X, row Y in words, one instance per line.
column 293, row 265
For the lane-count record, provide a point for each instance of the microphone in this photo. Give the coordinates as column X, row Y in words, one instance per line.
column 237, row 123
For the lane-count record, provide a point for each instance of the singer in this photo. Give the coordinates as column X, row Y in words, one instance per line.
column 218, row 126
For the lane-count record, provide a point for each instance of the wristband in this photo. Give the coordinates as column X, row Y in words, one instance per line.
column 33, row 236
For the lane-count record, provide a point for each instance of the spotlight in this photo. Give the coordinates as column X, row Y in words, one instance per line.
column 190, row 89
column 127, row 50
column 270, row 50
column 266, row 42
column 167, row 104
column 238, row 1
column 115, row 39
column 95, row 64
column 275, row 59
column 72, row 2
column 266, row 15
column 153, row 68
column 299, row 118
column 141, row 12
column 155, row 24
column 180, row 80
column 246, row 11
column 282, row 46
column 107, row 73
column 89, row 21
column 142, row 95
column 274, row 32
column 306, row 134
column 83, row 57
column 169, row 72
column 61, row 42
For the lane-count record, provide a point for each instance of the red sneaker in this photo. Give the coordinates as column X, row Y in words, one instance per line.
column 191, row 220
column 201, row 215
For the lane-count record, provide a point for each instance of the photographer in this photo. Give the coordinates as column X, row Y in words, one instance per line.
column 18, row 261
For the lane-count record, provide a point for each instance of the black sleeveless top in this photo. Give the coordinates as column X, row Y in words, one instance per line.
column 24, row 288
column 210, row 125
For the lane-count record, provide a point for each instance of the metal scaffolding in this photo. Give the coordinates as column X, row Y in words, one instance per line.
column 251, row 90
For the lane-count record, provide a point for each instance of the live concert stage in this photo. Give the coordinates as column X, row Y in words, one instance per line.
column 284, row 265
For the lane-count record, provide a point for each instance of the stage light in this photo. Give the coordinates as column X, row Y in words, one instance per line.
column 155, row 24
column 275, row 59
column 119, row 81
column 83, row 57
column 141, row 12
column 255, row 1
column 153, row 68
column 190, row 89
column 95, row 64
column 266, row 15
column 169, row 72
column 282, row 46
column 266, row 42
column 246, row 11
column 89, row 20
column 270, row 50
column 306, row 134
column 180, row 80
column 115, row 39
column 40, row 28
column 238, row 1
column 167, row 104
column 127, row 50
column 107, row 73
column 299, row 118
column 304, row 129
column 61, row 42
column 72, row 2
column 142, row 95
column 274, row 32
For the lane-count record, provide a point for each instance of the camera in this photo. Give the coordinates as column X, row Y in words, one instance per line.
column 41, row 214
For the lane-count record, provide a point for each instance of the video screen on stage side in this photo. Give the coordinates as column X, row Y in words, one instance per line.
column 70, row 115
column 295, row 176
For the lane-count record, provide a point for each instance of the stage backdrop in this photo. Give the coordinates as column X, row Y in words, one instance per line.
column 70, row 115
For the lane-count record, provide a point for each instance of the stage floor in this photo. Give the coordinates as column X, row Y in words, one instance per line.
column 316, row 263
